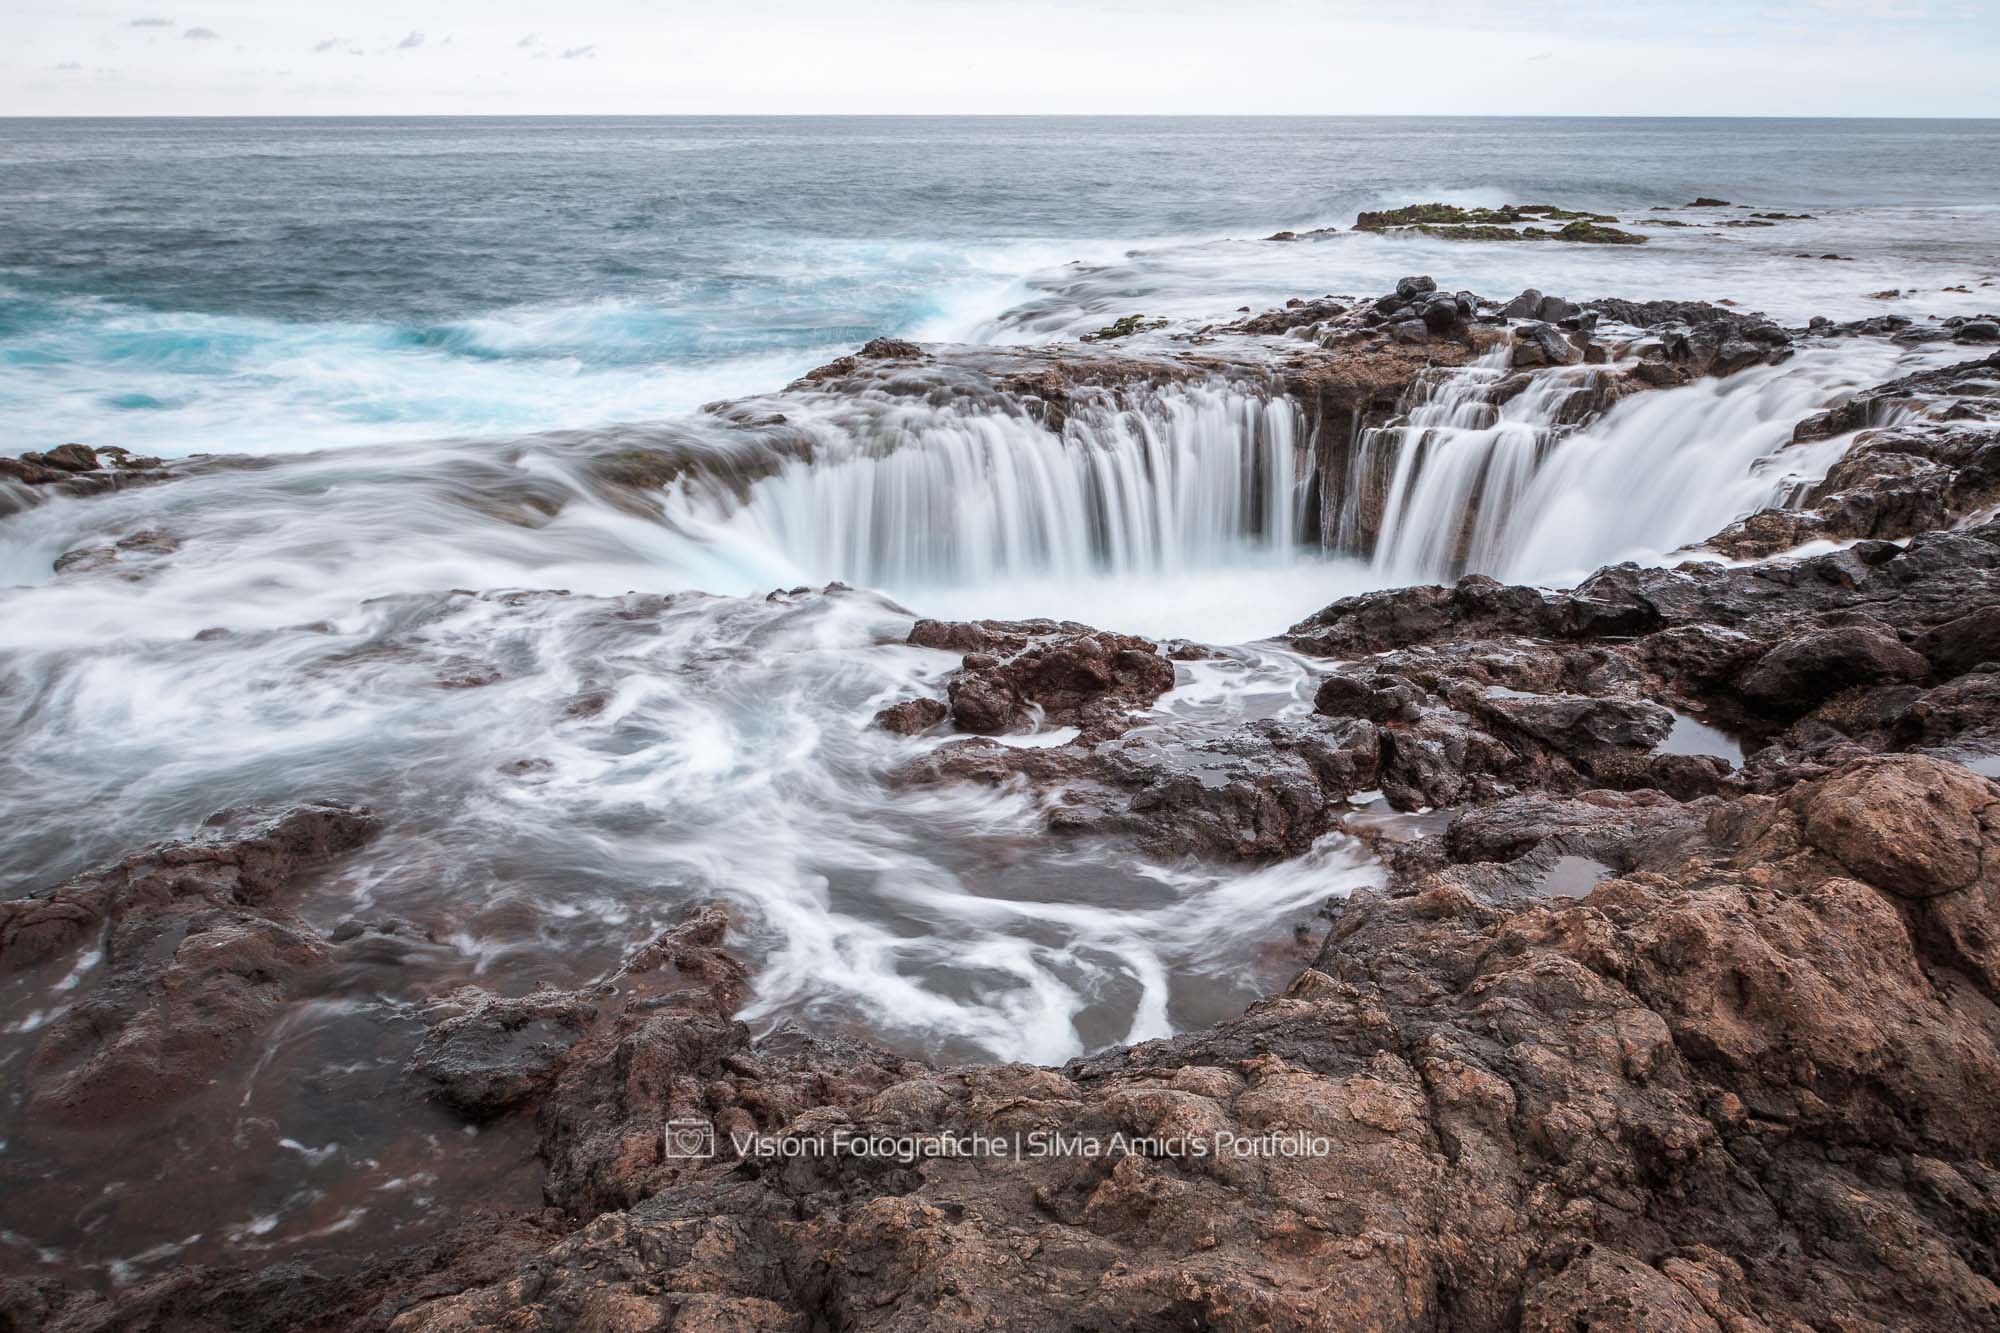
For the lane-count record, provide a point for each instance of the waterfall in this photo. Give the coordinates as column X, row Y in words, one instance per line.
column 1154, row 482
column 1460, row 460
column 1536, row 477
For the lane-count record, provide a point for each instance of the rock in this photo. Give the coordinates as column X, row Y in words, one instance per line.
column 1961, row 644
column 1796, row 675
column 912, row 716
column 1541, row 345
column 1444, row 317
column 1016, row 673
column 1601, row 1288
column 1379, row 698
column 1409, row 289
column 243, row 856
column 1527, row 305
column 498, row 1053
column 195, row 958
column 65, row 458
column 1554, row 310
column 1658, row 1107
column 890, row 349
column 1706, row 202
column 1978, row 331
column 1574, row 722
column 1914, row 827
column 78, row 469
column 1123, row 328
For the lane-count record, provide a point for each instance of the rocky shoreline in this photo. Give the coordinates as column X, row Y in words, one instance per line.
column 1635, row 1035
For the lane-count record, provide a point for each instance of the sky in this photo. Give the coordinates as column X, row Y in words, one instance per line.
column 1333, row 57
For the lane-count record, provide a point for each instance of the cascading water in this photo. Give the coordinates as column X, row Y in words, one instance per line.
column 1170, row 480
column 1481, row 474
column 1457, row 462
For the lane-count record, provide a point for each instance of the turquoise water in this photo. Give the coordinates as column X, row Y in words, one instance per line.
column 277, row 285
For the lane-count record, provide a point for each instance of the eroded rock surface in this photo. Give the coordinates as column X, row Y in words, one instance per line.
column 182, row 955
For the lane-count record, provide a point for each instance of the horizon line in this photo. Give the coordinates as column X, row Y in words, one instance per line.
column 945, row 115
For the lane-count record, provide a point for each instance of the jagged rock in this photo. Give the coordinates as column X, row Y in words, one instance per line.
column 912, row 716
column 1568, row 721
column 1799, row 673
column 1542, row 345
column 1016, row 673
column 498, row 1052
column 1964, row 643
column 195, row 958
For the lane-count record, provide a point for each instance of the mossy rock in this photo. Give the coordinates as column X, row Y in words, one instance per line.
column 1452, row 223
column 1550, row 213
column 1124, row 328
column 1470, row 232
column 1432, row 215
column 1592, row 233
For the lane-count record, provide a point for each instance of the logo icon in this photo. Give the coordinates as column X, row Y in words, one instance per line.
column 688, row 1138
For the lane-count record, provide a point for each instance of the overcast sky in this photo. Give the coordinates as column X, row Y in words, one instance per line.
column 469, row 57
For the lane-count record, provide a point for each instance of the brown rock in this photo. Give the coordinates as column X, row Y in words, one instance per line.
column 1915, row 827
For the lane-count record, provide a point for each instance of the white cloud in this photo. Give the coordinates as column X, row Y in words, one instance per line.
column 581, row 52
column 201, row 34
column 411, row 43
column 150, row 23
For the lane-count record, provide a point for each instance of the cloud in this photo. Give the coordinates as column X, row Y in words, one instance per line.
column 581, row 52
column 529, row 40
column 326, row 45
column 67, row 65
column 411, row 43
column 150, row 23
column 201, row 34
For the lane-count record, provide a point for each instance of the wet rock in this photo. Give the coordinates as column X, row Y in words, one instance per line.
column 1574, row 722
column 194, row 957
column 497, row 1052
column 1963, row 643
column 912, row 716
column 1541, row 345
column 666, row 1047
column 1123, row 328
column 890, row 349
column 65, row 458
column 1378, row 698
column 78, row 469
column 245, row 857
column 1016, row 674
column 1798, row 674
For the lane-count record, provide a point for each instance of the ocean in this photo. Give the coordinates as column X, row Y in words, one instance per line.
column 276, row 286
